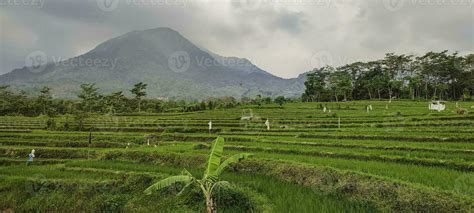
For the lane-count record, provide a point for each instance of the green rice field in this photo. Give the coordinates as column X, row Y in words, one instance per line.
column 399, row 157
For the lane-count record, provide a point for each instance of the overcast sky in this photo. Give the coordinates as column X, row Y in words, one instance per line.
column 284, row 37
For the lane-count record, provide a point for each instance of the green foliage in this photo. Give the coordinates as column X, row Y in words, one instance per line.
column 79, row 118
column 214, row 160
column 210, row 180
column 90, row 97
column 280, row 100
column 45, row 100
column 167, row 182
column 91, row 101
column 232, row 160
column 315, row 85
column 433, row 75
column 115, row 102
column 51, row 124
column 139, row 92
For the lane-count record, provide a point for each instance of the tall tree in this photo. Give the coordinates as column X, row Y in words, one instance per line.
column 441, row 72
column 139, row 92
column 45, row 99
column 114, row 101
column 315, row 84
column 340, row 83
column 395, row 67
column 89, row 96
column 466, row 79
column 5, row 99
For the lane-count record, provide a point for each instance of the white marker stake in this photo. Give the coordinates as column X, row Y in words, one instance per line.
column 339, row 122
column 210, row 126
column 324, row 109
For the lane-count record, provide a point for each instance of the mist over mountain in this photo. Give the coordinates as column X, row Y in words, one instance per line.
column 170, row 64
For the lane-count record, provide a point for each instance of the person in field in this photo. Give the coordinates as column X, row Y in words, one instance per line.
column 30, row 157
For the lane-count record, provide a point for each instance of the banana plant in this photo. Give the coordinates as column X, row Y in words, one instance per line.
column 210, row 179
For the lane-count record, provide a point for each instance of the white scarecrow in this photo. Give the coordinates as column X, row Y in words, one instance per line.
column 210, row 126
column 369, row 108
column 267, row 123
column 30, row 157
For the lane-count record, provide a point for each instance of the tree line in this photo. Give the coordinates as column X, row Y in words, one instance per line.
column 435, row 75
column 90, row 100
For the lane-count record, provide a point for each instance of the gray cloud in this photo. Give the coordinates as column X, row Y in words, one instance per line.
column 280, row 36
column 290, row 22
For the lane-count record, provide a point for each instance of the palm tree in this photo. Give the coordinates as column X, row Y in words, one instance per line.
column 210, row 179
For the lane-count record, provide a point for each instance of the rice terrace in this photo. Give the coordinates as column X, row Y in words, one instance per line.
column 401, row 158
column 286, row 106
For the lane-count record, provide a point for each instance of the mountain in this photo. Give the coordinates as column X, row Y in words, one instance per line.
column 170, row 64
column 237, row 64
